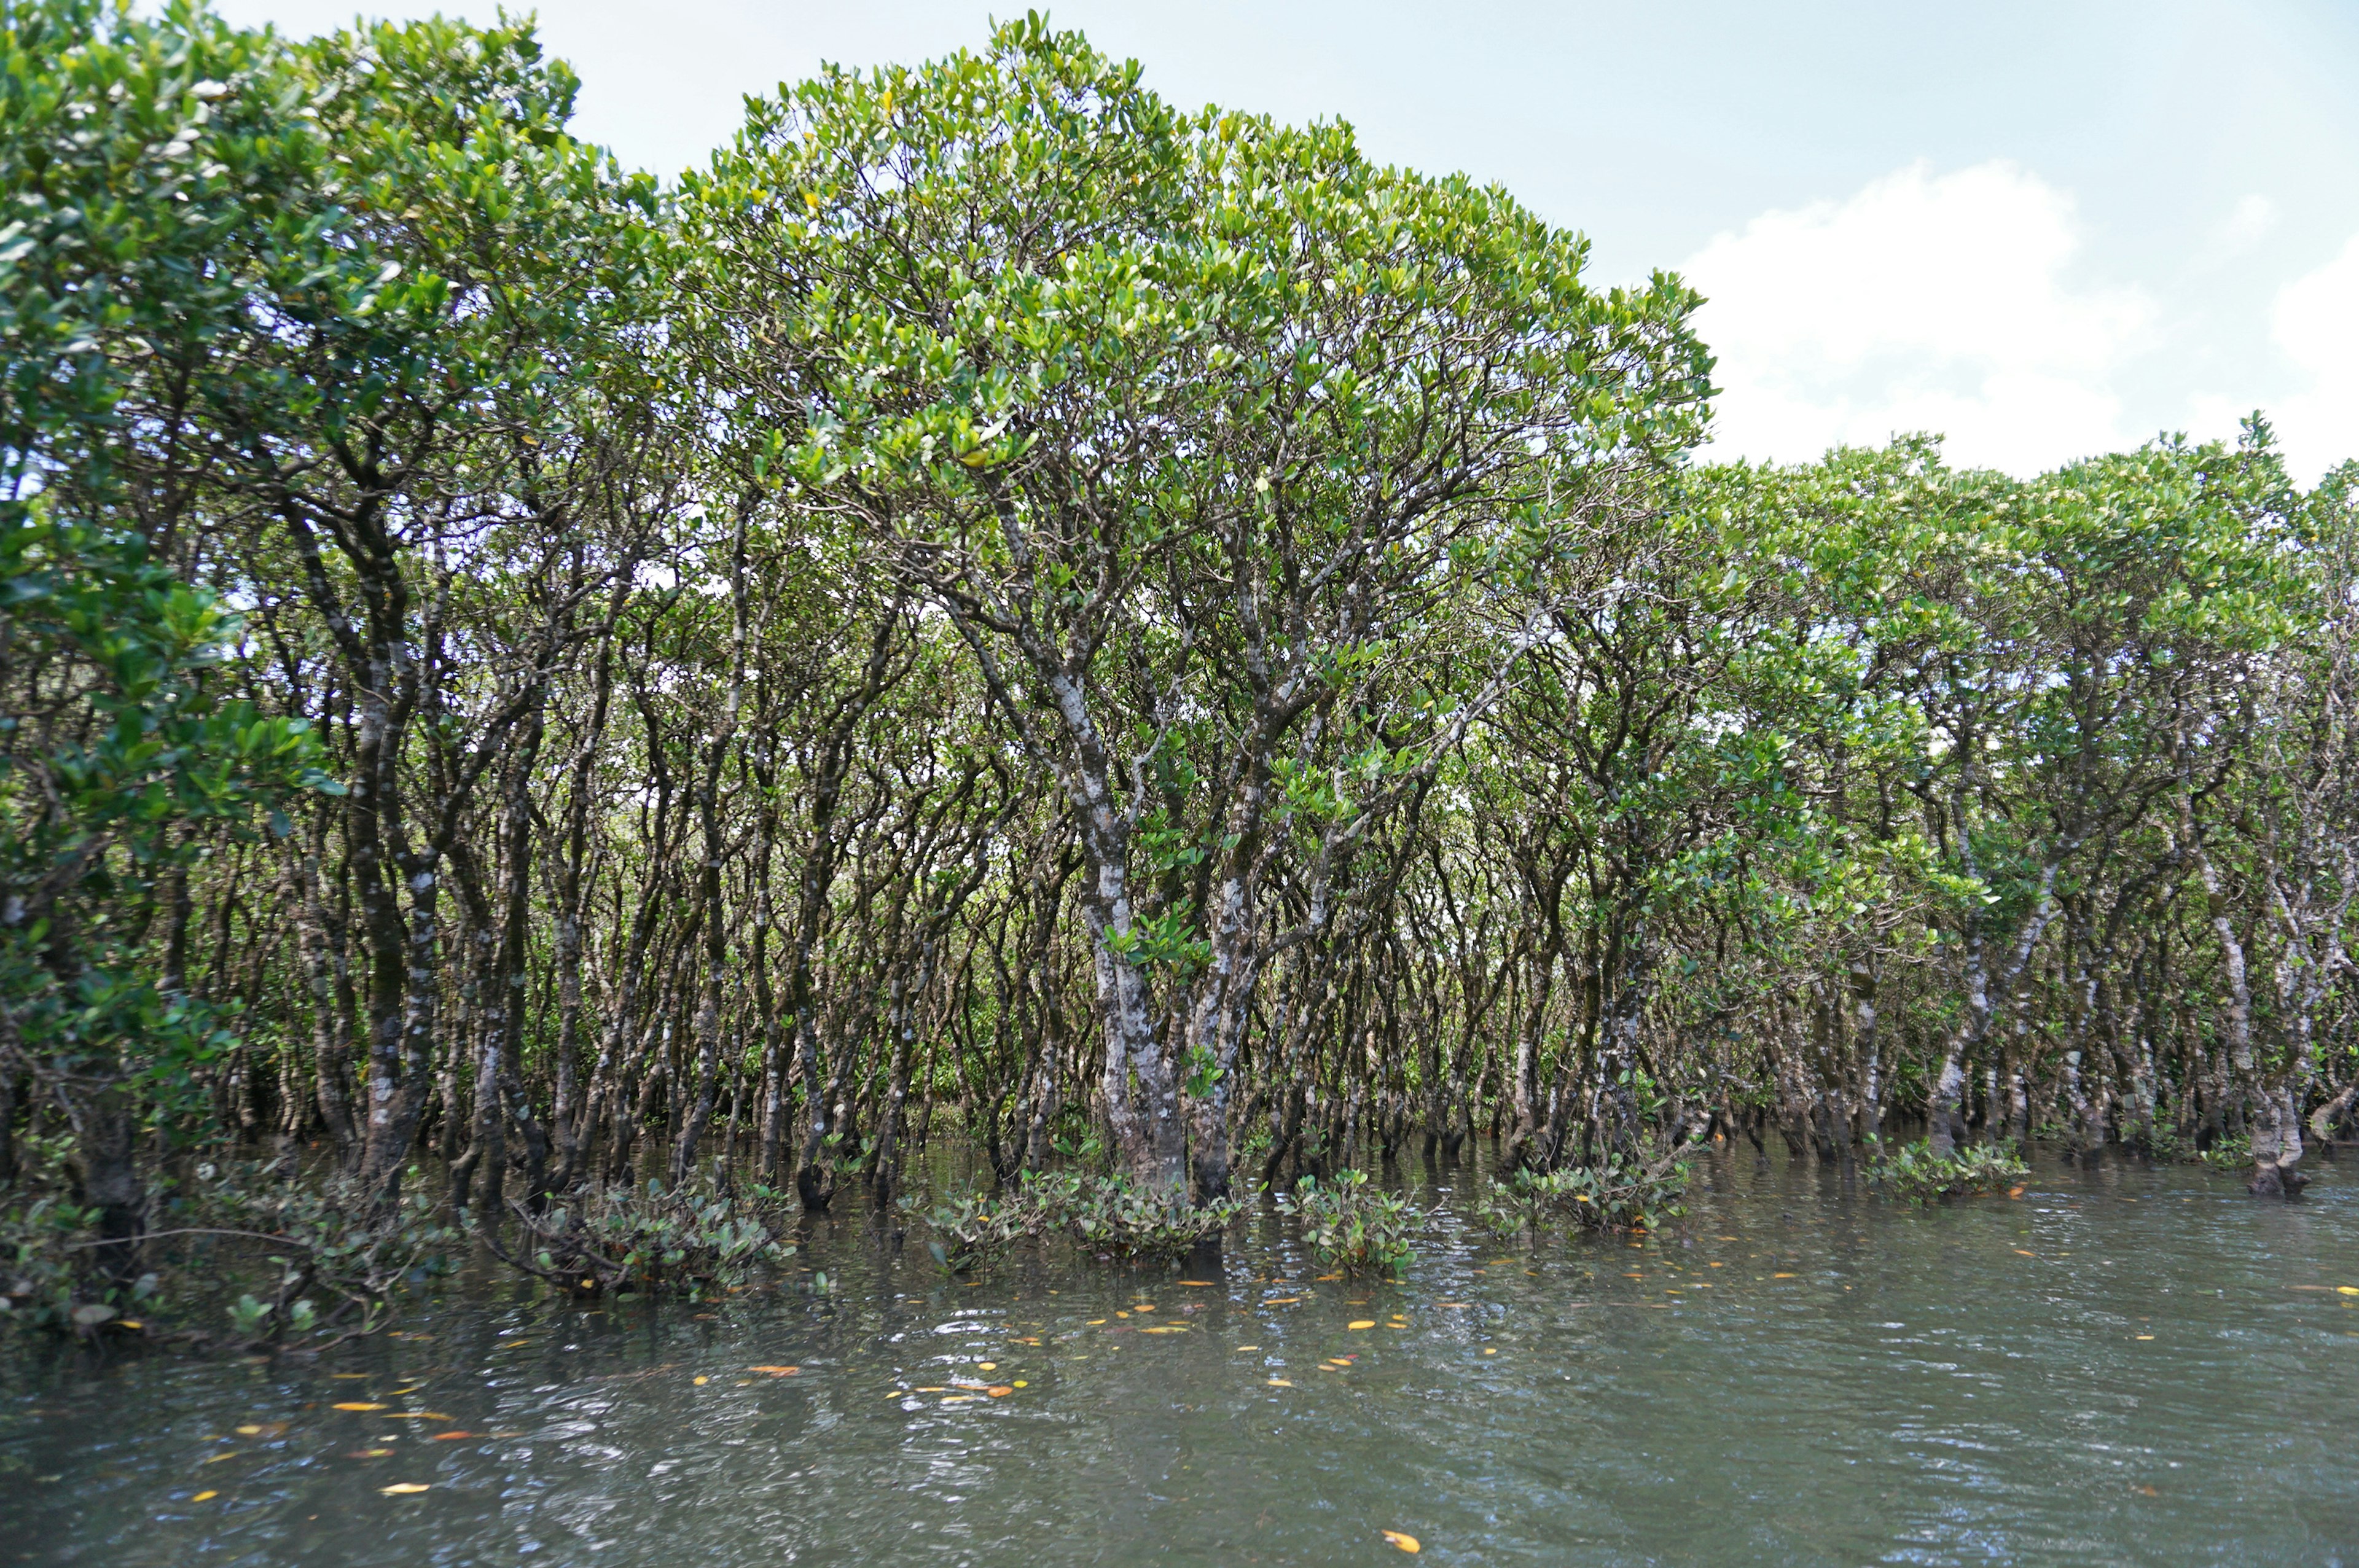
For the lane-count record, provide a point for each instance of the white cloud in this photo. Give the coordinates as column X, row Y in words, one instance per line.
column 1924, row 302
column 2249, row 224
column 2316, row 323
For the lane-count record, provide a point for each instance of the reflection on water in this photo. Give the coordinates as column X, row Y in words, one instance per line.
column 2122, row 1366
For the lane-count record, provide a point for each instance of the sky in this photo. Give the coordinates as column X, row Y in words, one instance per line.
column 2042, row 230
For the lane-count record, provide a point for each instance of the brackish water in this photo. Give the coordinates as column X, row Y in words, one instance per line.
column 2122, row 1365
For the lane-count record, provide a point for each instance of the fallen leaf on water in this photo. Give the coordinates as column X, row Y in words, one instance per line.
column 219, row 1457
column 1487, row 1350
column 204, row 1497
column 1167, row 1328
column 2146, row 1336
column 1330, row 1276
column 2146, row 1491
column 1206, row 1284
column 266, row 1428
column 776, row 1371
column 451, row 1437
column 1279, row 1383
column 360, row 1407
column 370, row 1453
column 403, row 1489
column 1245, row 1347
column 416, row 1415
column 2346, row 1290
column 987, row 1366
column 2021, row 1253
column 2014, row 1191
column 931, row 1388
column 1283, row 1301
column 1403, row 1539
column 1095, row 1321
column 1000, row 1391
column 512, row 1343
column 1361, row 1323
column 701, row 1381
column 349, row 1376
column 1785, row 1276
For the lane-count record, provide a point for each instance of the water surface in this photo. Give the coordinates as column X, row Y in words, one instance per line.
column 2122, row 1365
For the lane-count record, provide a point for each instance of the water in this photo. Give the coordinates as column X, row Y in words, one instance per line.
column 2121, row 1366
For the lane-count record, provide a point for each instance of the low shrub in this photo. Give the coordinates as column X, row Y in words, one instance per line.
column 2230, row 1155
column 1913, row 1172
column 690, row 1240
column 1352, row 1225
column 973, row 1229
column 306, row 1257
column 1621, row 1193
column 1110, row 1215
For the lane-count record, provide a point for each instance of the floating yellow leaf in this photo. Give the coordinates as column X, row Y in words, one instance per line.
column 403, row 1489
column 219, row 1457
column 2014, row 1191
column 1095, row 1321
column 2346, row 1290
column 1785, row 1276
column 204, row 1497
column 1403, row 1539
column 249, row 1432
column 451, row 1437
column 2021, row 1253
column 776, row 1371
column 349, row 1376
column 360, row 1407
column 1279, row 1383
column 2146, row 1336
column 1282, row 1300
column 1359, row 1323
column 1167, row 1328
column 987, row 1366
column 701, row 1381
column 1245, row 1347
column 1000, row 1391
column 1019, row 1383
column 1489, row 1351
column 416, row 1415
column 1204, row 1284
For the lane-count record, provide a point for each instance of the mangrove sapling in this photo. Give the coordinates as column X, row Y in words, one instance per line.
column 1617, row 1194
column 1352, row 1225
column 1915, row 1171
column 975, row 1229
column 1114, row 1217
column 689, row 1240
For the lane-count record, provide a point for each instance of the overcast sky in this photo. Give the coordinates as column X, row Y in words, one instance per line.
column 2043, row 229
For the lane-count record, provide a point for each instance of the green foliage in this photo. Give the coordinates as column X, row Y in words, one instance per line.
column 1109, row 1215
column 2230, row 1155
column 1620, row 1193
column 1350, row 1225
column 105, row 789
column 972, row 1229
column 689, row 1241
column 1913, row 1172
